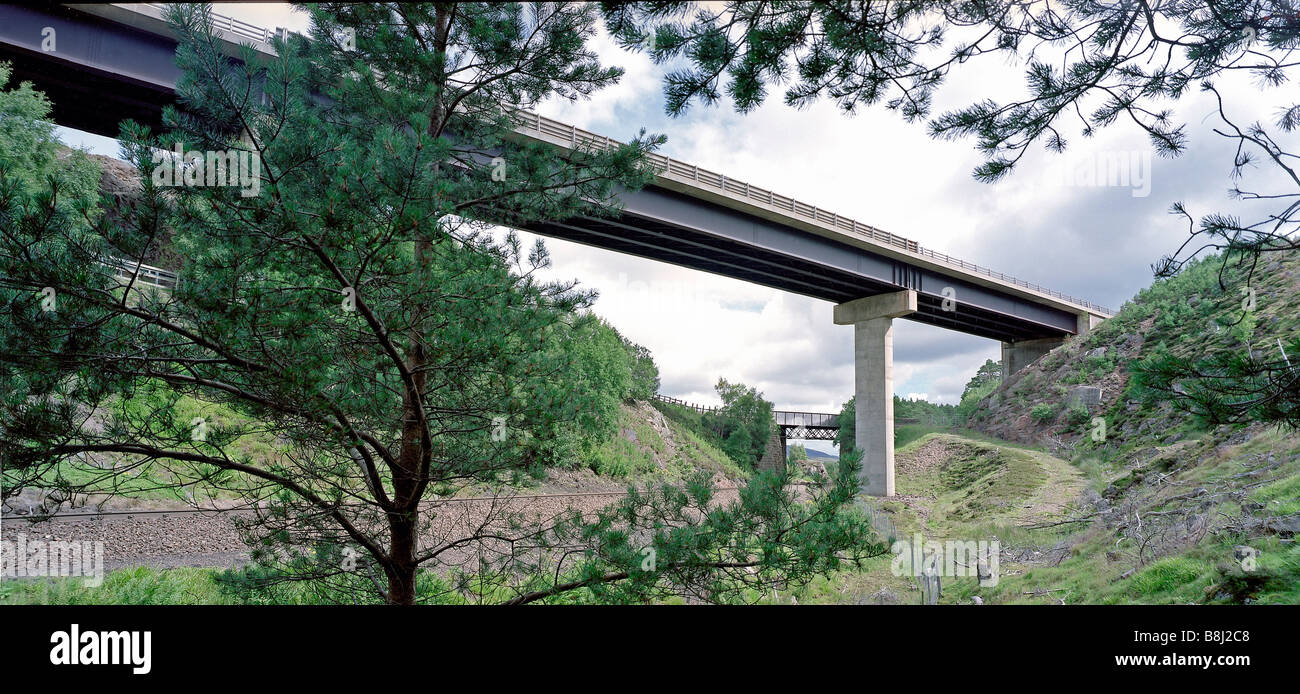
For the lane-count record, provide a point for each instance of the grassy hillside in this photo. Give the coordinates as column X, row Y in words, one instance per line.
column 1175, row 507
column 644, row 447
column 650, row 446
column 958, row 487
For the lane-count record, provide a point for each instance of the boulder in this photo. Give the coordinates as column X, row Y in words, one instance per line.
column 1084, row 395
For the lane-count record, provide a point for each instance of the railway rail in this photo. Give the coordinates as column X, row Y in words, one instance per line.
column 39, row 518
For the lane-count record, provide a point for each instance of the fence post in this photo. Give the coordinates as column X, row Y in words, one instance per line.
column 930, row 584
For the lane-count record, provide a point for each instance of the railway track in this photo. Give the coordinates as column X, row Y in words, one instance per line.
column 162, row 513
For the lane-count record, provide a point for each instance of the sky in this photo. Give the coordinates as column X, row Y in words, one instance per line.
column 1045, row 223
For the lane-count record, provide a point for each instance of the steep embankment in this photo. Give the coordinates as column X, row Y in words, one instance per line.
column 650, row 447
column 1176, row 513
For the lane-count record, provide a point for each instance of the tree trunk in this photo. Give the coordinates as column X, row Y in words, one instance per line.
column 402, row 568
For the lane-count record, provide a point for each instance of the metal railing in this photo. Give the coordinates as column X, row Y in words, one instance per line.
column 142, row 274
column 783, row 417
column 667, row 166
column 812, row 420
column 230, row 24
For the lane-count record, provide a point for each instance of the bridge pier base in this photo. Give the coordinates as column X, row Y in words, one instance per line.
column 1018, row 355
column 774, row 455
column 872, row 319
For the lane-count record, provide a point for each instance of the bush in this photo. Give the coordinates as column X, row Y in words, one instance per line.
column 1043, row 413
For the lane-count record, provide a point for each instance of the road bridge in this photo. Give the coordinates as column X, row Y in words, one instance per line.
column 117, row 61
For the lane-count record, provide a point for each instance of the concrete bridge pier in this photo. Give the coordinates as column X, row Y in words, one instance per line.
column 872, row 319
column 1018, row 355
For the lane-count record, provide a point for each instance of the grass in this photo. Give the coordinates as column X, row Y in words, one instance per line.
column 905, row 434
column 1280, row 498
column 250, row 442
column 184, row 586
column 134, row 586
column 978, row 491
column 637, row 452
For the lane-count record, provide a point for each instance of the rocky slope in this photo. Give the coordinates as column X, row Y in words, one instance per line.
column 1177, row 511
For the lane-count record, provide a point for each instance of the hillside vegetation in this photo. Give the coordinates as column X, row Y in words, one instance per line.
column 1178, row 509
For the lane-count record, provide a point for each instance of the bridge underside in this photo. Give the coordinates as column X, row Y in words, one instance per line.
column 667, row 226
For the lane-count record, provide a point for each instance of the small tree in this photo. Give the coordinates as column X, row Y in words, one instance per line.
column 846, row 439
column 986, row 380
column 746, row 422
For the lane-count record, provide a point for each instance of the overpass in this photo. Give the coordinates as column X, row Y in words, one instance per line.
column 117, row 61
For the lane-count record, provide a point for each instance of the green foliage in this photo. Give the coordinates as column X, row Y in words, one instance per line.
column 847, row 437
column 1043, row 413
column 1077, row 415
column 744, row 422
column 352, row 303
column 986, row 380
column 927, row 412
column 644, row 372
column 1236, row 369
column 300, row 582
column 30, row 152
column 598, row 372
column 765, row 533
column 797, row 454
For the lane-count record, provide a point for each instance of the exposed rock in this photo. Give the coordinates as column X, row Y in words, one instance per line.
column 1286, row 526
column 1241, row 552
column 1084, row 395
